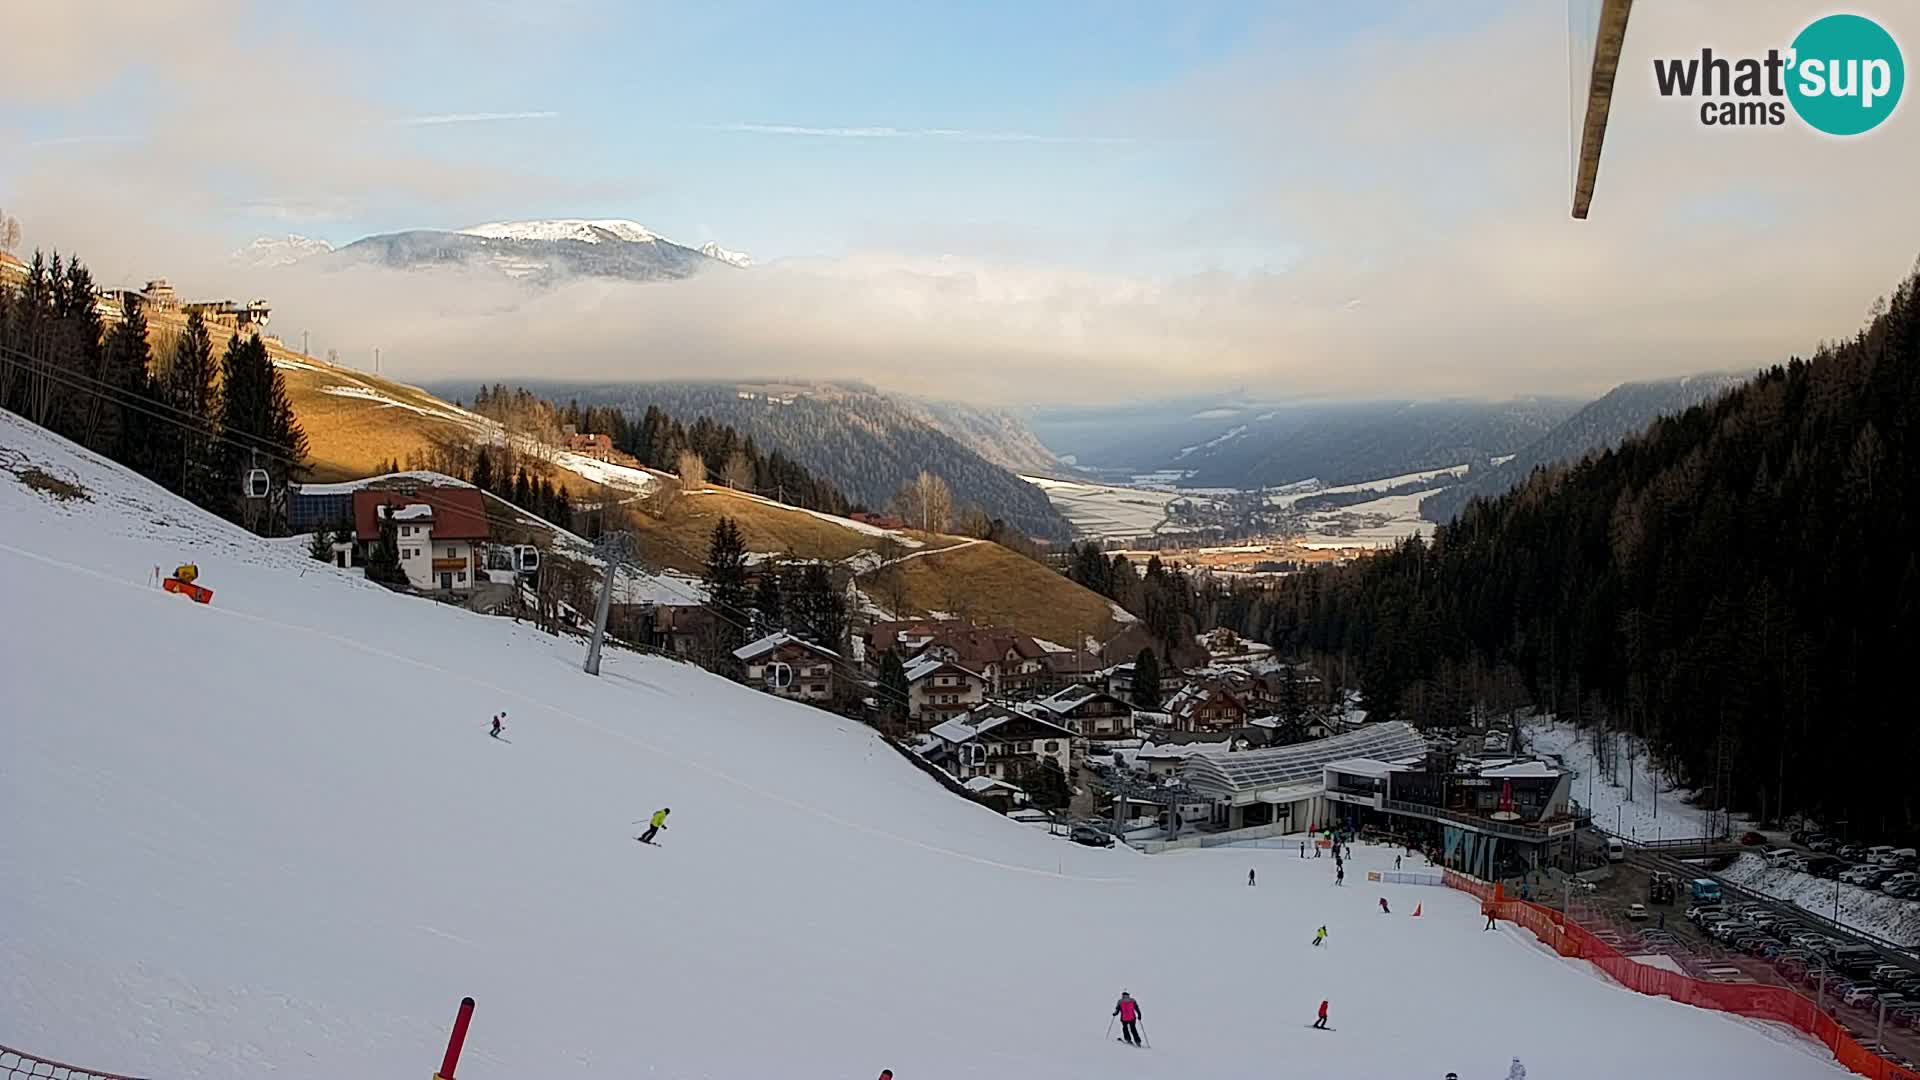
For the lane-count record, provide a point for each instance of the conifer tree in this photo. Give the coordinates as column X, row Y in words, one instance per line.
column 1146, row 679
column 894, row 701
column 119, row 427
column 482, row 477
column 769, row 608
column 726, row 580
column 187, row 386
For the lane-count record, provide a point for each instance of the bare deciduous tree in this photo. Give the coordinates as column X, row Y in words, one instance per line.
column 9, row 232
column 693, row 470
column 739, row 472
column 925, row 503
column 660, row 498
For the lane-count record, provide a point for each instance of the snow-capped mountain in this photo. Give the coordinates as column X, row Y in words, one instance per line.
column 266, row 252
column 546, row 251
column 737, row 258
column 581, row 229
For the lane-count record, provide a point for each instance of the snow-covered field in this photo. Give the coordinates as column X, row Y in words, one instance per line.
column 269, row 836
column 1643, row 817
column 1868, row 910
column 1101, row 510
column 1381, row 522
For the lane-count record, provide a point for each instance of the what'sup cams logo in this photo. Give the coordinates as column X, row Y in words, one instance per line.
column 1842, row 75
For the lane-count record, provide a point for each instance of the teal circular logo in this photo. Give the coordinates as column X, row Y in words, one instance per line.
column 1846, row 75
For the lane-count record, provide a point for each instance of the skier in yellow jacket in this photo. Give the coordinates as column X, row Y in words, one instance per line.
column 654, row 825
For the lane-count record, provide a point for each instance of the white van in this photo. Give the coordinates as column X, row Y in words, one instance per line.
column 1778, row 856
column 1616, row 849
column 1880, row 853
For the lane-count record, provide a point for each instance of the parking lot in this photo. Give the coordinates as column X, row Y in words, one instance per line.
column 1748, row 943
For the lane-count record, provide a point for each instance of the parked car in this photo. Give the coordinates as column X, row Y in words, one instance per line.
column 1090, row 836
column 1637, row 912
column 1825, row 843
column 1905, row 1016
column 1753, row 839
column 1800, row 836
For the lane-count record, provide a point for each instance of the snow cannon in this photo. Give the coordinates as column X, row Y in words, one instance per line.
column 183, row 582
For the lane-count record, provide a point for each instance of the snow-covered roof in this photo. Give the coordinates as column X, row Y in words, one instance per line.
column 776, row 640
column 1361, row 767
column 1179, row 753
column 982, row 720
column 980, row 784
column 927, row 665
column 1538, row 770
column 348, row 487
column 1250, row 770
column 412, row 512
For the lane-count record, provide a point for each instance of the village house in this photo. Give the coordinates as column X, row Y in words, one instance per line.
column 997, row 794
column 878, row 521
column 1207, row 706
column 1088, row 712
column 1068, row 669
column 1010, row 661
column 997, row 743
column 598, row 447
column 789, row 667
column 1119, row 679
column 438, row 530
column 938, row 691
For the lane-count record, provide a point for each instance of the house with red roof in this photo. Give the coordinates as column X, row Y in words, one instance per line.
column 440, row 531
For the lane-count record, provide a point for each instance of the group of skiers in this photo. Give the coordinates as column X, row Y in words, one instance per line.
column 1127, row 1009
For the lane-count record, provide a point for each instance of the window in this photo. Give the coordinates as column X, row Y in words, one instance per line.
column 460, row 576
column 1053, row 746
column 451, row 555
column 406, row 530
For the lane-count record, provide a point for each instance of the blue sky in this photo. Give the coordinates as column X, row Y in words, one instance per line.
column 1008, row 116
column 1065, row 201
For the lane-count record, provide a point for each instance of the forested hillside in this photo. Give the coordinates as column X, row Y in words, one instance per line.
column 865, row 443
column 1740, row 584
column 1624, row 411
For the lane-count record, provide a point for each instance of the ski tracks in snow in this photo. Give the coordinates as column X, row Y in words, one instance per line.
column 613, row 733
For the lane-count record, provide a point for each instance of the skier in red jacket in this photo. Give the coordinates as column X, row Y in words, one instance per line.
column 1322, row 1022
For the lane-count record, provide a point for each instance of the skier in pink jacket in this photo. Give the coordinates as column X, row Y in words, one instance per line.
column 1128, row 1010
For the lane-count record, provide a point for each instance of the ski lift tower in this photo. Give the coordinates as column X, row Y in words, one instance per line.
column 614, row 548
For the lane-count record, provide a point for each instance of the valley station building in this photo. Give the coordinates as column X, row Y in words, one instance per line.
column 1487, row 817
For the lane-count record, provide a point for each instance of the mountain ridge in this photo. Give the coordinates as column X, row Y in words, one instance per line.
column 1603, row 423
column 867, row 442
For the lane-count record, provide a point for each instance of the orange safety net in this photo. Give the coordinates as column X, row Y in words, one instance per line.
column 1778, row 1004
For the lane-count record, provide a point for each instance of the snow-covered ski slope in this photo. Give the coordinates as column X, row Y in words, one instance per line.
column 270, row 837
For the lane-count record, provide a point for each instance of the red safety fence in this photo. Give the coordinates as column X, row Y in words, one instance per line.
column 1778, row 1004
column 18, row 1064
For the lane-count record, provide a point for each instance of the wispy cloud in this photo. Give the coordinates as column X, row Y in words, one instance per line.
column 82, row 140
column 478, row 117
column 953, row 134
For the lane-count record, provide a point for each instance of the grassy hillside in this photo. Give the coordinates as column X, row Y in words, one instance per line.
column 355, row 420
column 989, row 584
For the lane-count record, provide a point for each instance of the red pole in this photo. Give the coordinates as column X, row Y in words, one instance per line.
column 456, row 1041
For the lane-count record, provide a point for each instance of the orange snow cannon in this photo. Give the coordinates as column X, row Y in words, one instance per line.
column 182, row 582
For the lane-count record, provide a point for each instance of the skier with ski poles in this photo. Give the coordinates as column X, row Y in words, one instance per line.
column 654, row 825
column 1128, row 1010
column 499, row 724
